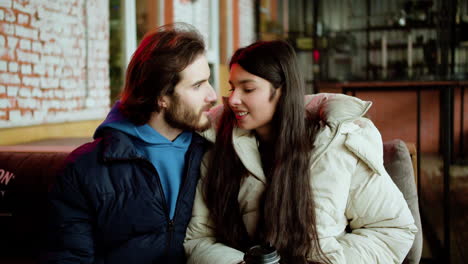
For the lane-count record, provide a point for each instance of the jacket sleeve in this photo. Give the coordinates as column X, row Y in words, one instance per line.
column 70, row 237
column 360, row 191
column 200, row 242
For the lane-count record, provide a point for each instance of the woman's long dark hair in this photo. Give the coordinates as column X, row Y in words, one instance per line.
column 287, row 220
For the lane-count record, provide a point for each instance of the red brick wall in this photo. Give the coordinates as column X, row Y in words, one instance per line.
column 394, row 114
column 53, row 61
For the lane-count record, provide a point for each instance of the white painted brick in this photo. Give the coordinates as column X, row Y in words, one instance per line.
column 51, row 104
column 49, row 94
column 90, row 102
column 25, row 44
column 27, row 56
column 2, row 14
column 10, row 16
column 48, row 47
column 7, row 53
column 25, row 92
column 27, row 103
column 2, row 113
column 8, row 28
column 25, row 6
column 39, row 69
column 6, row 3
column 68, row 94
column 44, row 93
column 2, row 89
column 13, row 67
column 50, row 71
column 31, row 81
column 46, row 36
column 12, row 91
column 37, row 46
column 39, row 114
column 3, row 65
column 58, row 72
column 25, row 32
column 67, row 72
column 59, row 94
column 27, row 116
column 103, row 93
column 51, row 59
column 23, row 19
column 4, row 103
column 12, row 42
column 77, row 31
column 36, row 92
column 2, row 41
column 49, row 83
column 93, row 93
column 26, row 69
column 77, row 71
column 80, row 92
column 68, row 83
column 15, row 115
column 9, row 78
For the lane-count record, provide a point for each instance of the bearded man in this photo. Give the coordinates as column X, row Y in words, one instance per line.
column 127, row 196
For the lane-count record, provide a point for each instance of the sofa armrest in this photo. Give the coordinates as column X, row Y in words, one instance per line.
column 399, row 164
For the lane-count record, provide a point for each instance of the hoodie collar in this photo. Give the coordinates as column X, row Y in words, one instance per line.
column 117, row 145
column 144, row 133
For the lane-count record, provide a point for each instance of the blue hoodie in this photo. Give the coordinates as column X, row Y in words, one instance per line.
column 168, row 157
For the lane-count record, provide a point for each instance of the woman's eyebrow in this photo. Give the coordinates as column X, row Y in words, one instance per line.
column 243, row 81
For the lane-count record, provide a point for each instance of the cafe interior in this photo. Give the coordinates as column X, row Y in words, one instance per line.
column 409, row 57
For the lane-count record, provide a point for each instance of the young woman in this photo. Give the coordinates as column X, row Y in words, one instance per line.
column 306, row 176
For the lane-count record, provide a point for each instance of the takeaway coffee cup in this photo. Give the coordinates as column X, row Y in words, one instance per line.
column 262, row 254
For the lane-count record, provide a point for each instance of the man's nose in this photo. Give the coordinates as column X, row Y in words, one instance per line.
column 212, row 97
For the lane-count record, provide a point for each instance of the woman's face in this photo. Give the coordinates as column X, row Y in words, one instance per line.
column 252, row 101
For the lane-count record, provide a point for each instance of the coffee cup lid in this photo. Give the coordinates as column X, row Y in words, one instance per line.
column 262, row 254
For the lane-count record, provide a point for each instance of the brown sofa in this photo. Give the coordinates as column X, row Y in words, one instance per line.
column 27, row 173
column 25, row 178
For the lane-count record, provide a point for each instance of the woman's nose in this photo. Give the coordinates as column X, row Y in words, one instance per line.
column 234, row 98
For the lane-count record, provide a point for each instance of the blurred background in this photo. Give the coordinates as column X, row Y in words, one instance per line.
column 62, row 65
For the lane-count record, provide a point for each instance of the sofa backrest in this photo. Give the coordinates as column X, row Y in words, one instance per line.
column 25, row 178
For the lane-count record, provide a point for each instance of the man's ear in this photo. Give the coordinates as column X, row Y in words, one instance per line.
column 162, row 102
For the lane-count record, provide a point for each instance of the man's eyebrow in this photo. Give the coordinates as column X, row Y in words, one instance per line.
column 199, row 82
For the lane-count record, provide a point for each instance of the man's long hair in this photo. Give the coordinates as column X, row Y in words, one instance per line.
column 287, row 210
column 155, row 67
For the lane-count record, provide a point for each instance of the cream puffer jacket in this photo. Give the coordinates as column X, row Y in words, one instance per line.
column 350, row 186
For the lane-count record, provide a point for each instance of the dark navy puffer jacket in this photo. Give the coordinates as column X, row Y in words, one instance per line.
column 108, row 206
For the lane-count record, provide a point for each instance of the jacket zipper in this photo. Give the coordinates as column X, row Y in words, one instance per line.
column 184, row 181
column 171, row 222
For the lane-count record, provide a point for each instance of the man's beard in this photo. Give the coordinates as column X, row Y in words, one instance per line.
column 178, row 115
